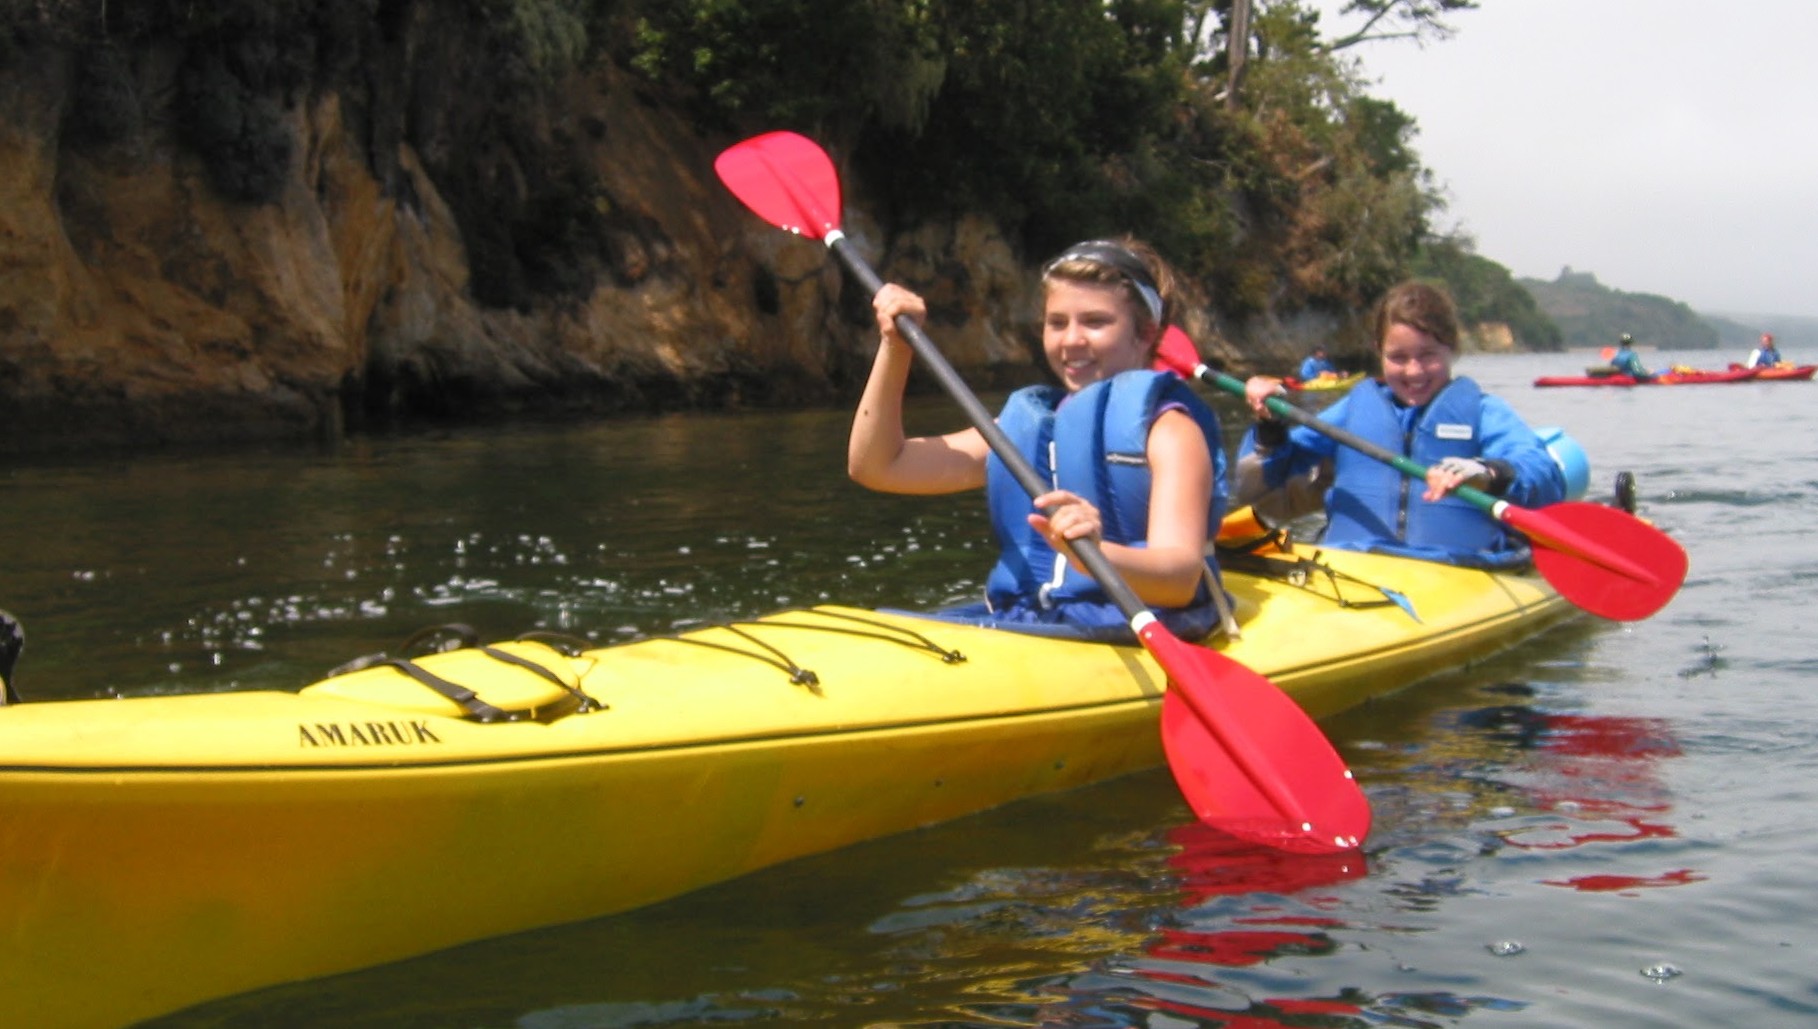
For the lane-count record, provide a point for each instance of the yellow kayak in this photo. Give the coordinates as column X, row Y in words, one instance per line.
column 1328, row 382
column 156, row 852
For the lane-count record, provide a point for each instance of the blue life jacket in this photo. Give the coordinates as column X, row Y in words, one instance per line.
column 1374, row 507
column 1096, row 446
column 1628, row 362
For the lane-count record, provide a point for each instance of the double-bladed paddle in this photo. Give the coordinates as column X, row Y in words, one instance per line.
column 1602, row 559
column 1247, row 758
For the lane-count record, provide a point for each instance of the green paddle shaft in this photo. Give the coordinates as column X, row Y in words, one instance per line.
column 1407, row 466
column 1576, row 545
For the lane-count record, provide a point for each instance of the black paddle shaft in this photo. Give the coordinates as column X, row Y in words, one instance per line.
column 1088, row 550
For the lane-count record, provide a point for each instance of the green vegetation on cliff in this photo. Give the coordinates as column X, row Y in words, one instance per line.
column 1590, row 314
column 1282, row 187
column 1062, row 120
column 1487, row 292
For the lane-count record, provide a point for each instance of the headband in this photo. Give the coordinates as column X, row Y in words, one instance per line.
column 1119, row 259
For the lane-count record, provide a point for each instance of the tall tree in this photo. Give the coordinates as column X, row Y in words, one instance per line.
column 1419, row 20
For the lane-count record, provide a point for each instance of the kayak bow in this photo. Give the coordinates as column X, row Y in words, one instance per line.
column 198, row 846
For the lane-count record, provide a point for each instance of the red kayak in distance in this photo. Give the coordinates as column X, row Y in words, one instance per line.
column 1682, row 377
column 1788, row 372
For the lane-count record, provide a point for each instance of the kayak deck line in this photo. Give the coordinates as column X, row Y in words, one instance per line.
column 196, row 847
column 1304, row 572
column 798, row 675
column 560, row 757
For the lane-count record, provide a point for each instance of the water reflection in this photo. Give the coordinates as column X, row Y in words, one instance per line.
column 1465, row 786
column 1265, row 896
column 1211, row 864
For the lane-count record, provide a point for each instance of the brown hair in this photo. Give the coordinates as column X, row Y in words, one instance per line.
column 1419, row 305
column 1130, row 265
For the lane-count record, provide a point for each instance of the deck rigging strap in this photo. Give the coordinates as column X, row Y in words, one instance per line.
column 799, row 676
column 1301, row 573
column 440, row 639
column 585, row 703
column 477, row 710
column 877, row 631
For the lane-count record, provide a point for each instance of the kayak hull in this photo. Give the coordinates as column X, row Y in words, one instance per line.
column 1691, row 377
column 198, row 846
column 1786, row 373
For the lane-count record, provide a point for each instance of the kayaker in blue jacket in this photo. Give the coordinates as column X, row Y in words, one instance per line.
column 1627, row 362
column 1417, row 408
column 1767, row 355
column 1136, row 457
column 1316, row 365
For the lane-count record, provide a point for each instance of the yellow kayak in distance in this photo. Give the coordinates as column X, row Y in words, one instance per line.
column 1325, row 383
column 161, row 851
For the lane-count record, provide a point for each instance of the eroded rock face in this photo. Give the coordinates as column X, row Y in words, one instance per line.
column 138, row 305
column 417, row 246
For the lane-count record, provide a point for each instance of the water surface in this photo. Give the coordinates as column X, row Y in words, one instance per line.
column 1607, row 826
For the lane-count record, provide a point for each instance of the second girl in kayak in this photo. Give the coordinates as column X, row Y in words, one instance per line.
column 1418, row 408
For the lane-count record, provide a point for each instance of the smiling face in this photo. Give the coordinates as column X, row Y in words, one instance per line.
column 1090, row 332
column 1415, row 366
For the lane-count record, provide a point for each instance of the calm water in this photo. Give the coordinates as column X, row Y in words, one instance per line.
column 1609, row 826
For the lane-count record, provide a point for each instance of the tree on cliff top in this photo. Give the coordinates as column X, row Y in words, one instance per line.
column 1063, row 120
column 1418, row 20
column 1058, row 119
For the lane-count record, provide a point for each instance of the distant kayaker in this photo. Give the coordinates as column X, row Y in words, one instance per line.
column 1418, row 408
column 1136, row 454
column 1767, row 355
column 1627, row 362
column 1316, row 365
column 12, row 641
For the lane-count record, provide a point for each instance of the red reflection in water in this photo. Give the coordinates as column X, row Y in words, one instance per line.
column 1214, row 864
column 1236, row 948
column 1281, row 1008
column 1564, row 835
column 1598, row 773
column 1615, row 883
column 1627, row 739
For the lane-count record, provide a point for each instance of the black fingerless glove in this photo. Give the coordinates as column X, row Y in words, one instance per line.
column 1502, row 476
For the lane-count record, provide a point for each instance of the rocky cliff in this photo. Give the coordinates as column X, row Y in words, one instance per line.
column 415, row 234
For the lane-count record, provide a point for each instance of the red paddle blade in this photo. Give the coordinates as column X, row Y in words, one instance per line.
column 1176, row 353
column 786, row 179
column 1604, row 560
column 1249, row 761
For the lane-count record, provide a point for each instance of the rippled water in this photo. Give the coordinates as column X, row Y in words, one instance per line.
column 1608, row 826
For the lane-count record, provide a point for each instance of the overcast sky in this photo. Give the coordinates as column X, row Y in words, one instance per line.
column 1668, row 146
